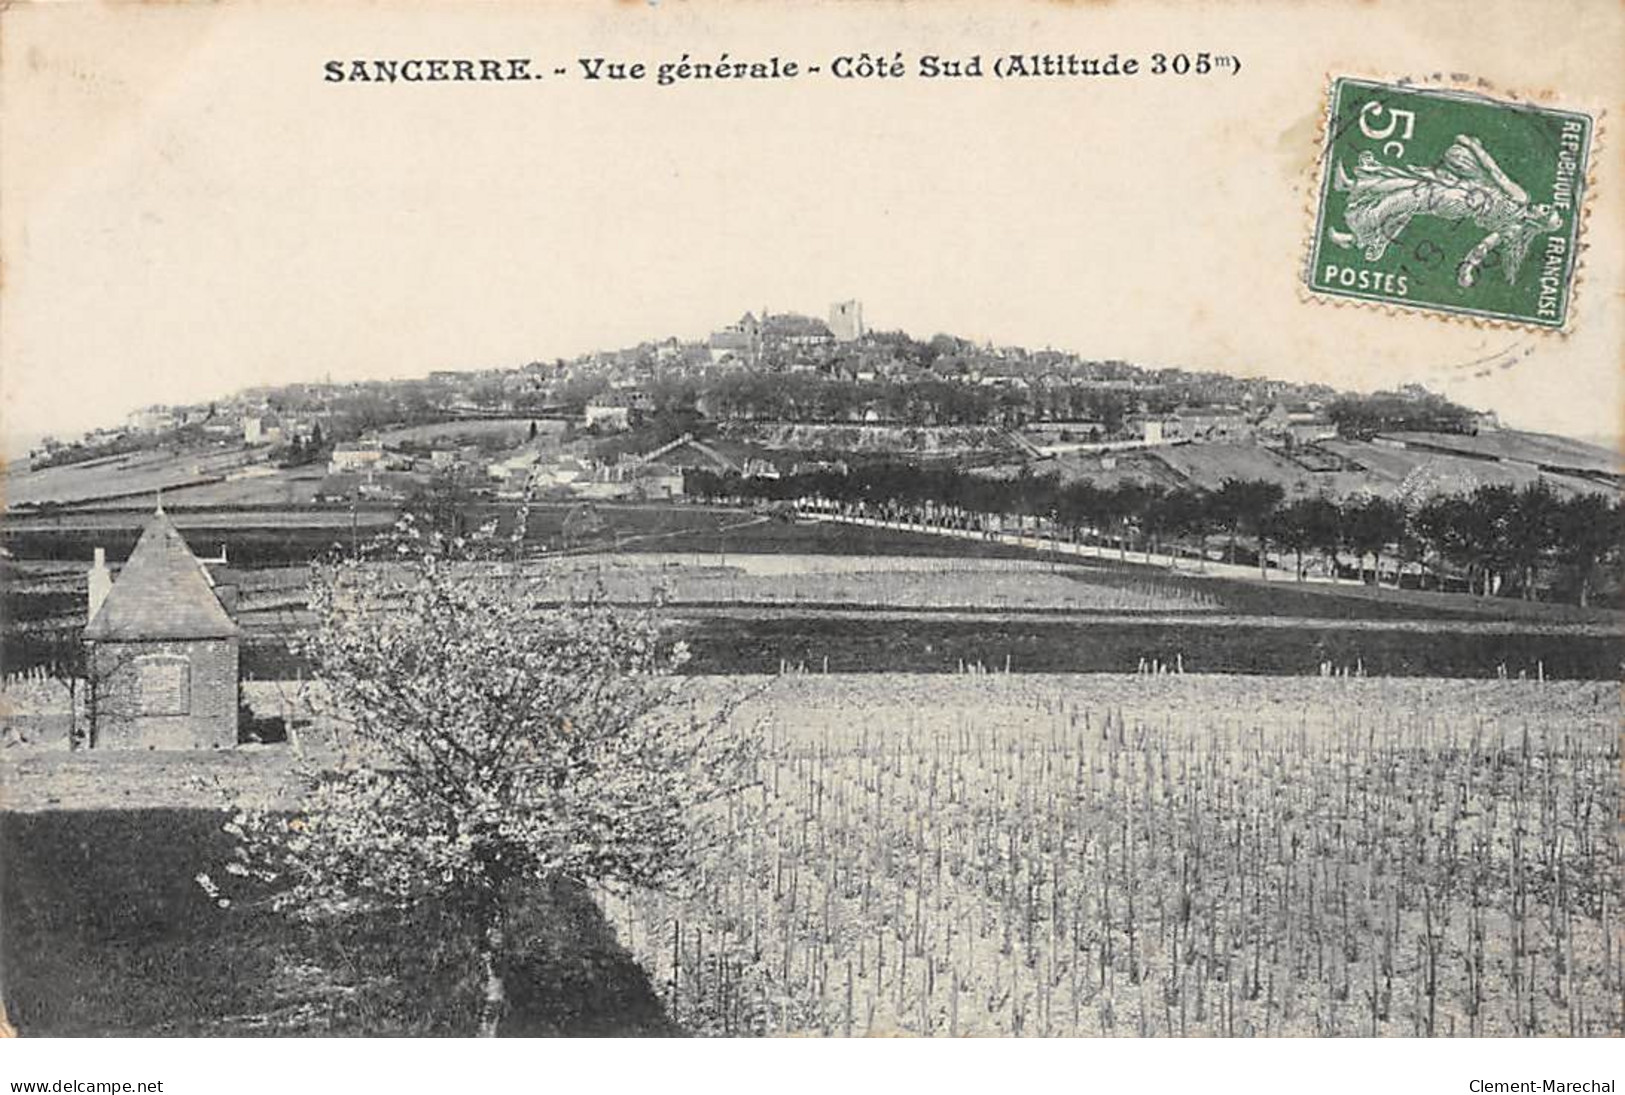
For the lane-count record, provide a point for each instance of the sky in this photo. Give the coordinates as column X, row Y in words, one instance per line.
column 187, row 207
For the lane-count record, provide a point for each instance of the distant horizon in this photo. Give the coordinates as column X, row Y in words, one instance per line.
column 16, row 444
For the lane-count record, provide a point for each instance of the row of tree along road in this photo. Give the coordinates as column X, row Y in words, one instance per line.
column 1527, row 542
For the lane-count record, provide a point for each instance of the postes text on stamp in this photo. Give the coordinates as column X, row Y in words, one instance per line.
column 1452, row 202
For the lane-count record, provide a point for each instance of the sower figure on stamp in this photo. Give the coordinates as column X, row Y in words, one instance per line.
column 1466, row 185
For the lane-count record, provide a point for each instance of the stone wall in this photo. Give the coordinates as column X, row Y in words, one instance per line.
column 165, row 695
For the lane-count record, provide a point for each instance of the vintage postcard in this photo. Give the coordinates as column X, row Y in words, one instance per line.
column 831, row 520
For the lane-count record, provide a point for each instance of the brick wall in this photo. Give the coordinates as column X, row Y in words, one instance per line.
column 165, row 695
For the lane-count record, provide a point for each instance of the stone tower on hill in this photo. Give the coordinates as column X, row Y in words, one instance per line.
column 846, row 320
column 161, row 651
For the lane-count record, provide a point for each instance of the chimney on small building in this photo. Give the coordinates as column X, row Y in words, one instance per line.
column 99, row 582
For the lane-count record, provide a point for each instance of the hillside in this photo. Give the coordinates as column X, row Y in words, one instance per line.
column 131, row 474
column 1406, row 465
column 1403, row 465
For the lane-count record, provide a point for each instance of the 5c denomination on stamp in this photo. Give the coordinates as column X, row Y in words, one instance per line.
column 1450, row 201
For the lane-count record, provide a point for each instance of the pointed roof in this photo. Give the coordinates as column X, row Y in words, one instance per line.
column 163, row 592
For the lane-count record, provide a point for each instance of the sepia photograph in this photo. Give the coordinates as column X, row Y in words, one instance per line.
column 700, row 520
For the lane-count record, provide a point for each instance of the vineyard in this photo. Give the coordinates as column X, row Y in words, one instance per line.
column 1156, row 856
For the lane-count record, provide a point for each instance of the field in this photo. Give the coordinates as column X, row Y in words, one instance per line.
column 1388, row 468
column 972, row 854
column 896, row 581
column 1379, row 468
column 132, row 475
column 760, row 640
column 290, row 487
column 766, row 612
column 279, row 536
column 1534, row 448
column 1191, row 856
column 772, row 639
column 1208, row 465
column 1269, row 808
column 752, row 594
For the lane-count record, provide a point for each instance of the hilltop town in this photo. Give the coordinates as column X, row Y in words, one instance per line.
column 776, row 394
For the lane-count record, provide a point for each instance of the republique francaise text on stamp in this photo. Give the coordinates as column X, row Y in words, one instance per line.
column 1450, row 201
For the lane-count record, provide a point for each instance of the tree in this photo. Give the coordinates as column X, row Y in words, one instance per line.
column 1323, row 521
column 1109, row 407
column 584, row 522
column 1244, row 507
column 1528, row 530
column 1472, row 532
column 1587, row 531
column 1493, row 508
column 1305, row 525
column 1130, row 503
column 1178, row 513
column 443, row 504
column 492, row 749
column 1447, row 526
column 1371, row 525
column 1363, row 416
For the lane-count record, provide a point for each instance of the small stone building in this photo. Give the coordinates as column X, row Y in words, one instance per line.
column 160, row 651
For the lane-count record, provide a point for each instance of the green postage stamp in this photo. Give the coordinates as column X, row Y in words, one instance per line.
column 1451, row 202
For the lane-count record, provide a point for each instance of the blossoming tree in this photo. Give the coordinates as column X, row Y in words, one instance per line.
column 490, row 744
